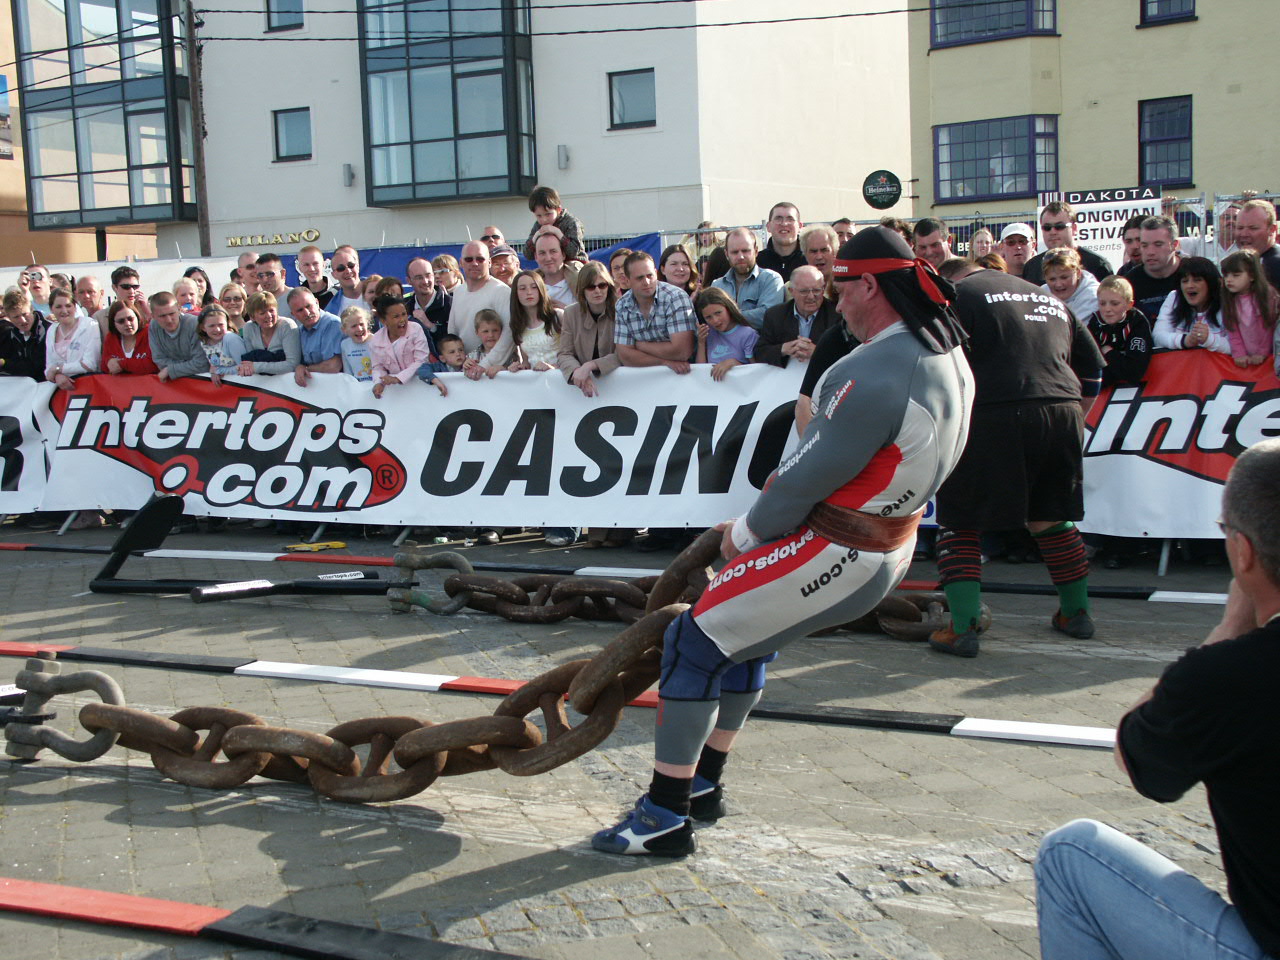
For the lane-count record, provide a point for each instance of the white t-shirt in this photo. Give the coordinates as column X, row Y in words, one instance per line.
column 494, row 295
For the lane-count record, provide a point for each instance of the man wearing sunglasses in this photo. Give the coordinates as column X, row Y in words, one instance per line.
column 247, row 268
column 492, row 238
column 477, row 292
column 1209, row 719
column 1058, row 230
column 126, row 286
column 345, row 265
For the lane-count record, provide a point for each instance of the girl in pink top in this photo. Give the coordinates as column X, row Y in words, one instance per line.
column 399, row 348
column 1248, row 308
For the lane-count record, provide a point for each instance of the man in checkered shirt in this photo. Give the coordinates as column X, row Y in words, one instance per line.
column 654, row 323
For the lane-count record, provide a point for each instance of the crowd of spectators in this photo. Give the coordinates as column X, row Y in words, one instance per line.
column 717, row 297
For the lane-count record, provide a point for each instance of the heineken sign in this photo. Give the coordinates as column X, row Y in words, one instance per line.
column 882, row 189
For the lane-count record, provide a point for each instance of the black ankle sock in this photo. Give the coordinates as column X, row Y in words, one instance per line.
column 711, row 763
column 671, row 792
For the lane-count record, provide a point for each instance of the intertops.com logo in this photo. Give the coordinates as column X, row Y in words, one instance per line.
column 1195, row 433
column 235, row 446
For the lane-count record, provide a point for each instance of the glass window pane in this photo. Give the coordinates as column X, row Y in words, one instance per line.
column 432, row 103
column 480, row 103
column 428, row 20
column 293, row 134
column 388, row 107
column 55, row 193
column 526, row 156
column 149, row 186
column 100, row 135
column 148, row 141
column 433, row 161
column 44, row 24
column 633, row 101
column 53, row 142
column 284, row 14
column 105, row 189
column 391, row 165
column 477, row 16
column 385, row 26
column 143, row 59
column 483, row 157
column 99, row 40
column 141, row 18
column 524, row 80
column 49, row 70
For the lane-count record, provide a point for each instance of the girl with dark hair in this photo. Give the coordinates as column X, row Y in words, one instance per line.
column 726, row 339
column 399, row 348
column 1190, row 317
column 204, row 288
column 535, row 323
column 127, row 348
column 1248, row 308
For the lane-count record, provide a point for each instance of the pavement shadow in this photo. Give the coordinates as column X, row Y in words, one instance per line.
column 401, row 855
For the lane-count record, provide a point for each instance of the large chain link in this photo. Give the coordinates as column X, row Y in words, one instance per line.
column 597, row 688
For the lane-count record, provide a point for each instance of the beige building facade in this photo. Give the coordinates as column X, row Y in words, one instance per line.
column 1010, row 99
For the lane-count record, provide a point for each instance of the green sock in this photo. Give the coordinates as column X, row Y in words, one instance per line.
column 1073, row 597
column 964, row 597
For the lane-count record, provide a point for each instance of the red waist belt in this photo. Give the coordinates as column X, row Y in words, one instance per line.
column 862, row 531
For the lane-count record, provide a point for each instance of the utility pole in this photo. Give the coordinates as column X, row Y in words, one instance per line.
column 201, row 186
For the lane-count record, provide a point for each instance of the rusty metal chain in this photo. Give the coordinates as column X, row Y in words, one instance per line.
column 597, row 688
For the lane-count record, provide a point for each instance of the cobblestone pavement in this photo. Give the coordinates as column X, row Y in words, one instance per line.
column 842, row 842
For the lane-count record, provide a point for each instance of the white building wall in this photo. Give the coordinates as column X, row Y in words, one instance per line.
column 746, row 116
column 801, row 111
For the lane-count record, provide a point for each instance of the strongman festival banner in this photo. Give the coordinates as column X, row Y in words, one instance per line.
column 527, row 449
column 1101, row 216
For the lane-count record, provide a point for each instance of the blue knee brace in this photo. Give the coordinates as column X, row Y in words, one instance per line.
column 694, row 668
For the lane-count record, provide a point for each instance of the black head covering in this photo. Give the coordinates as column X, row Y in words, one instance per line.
column 911, row 285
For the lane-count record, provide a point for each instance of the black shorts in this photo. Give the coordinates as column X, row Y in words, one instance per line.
column 1023, row 462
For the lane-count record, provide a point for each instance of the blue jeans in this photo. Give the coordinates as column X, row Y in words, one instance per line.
column 1102, row 895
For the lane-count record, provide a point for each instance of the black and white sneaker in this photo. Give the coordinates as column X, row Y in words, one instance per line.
column 648, row 830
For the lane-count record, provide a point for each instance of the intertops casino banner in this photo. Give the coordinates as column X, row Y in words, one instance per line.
column 523, row 449
column 527, row 449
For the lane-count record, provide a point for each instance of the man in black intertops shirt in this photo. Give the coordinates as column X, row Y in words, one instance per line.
column 1157, row 277
column 1058, row 229
column 1210, row 719
column 1037, row 371
column 782, row 253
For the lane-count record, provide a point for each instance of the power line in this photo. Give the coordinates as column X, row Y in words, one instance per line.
column 409, row 37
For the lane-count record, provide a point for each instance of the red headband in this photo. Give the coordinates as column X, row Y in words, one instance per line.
column 849, row 269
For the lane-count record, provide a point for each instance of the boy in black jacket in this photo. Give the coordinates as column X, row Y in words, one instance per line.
column 1124, row 337
column 21, row 337
column 1123, row 333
